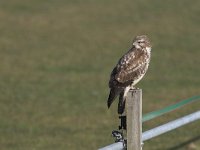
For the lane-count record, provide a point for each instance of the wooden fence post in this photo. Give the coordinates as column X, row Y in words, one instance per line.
column 134, row 119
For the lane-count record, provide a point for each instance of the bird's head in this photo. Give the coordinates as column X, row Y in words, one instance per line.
column 141, row 41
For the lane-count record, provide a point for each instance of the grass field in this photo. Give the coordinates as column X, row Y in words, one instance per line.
column 55, row 62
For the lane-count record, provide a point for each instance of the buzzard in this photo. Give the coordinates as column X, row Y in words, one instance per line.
column 129, row 70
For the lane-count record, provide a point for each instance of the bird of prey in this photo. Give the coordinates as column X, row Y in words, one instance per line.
column 129, row 70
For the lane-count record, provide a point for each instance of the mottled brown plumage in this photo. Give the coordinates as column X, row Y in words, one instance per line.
column 129, row 70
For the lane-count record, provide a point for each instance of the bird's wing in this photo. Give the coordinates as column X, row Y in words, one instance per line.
column 128, row 65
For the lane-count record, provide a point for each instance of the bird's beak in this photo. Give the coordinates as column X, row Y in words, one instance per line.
column 134, row 44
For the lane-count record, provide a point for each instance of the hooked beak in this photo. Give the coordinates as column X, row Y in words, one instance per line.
column 135, row 44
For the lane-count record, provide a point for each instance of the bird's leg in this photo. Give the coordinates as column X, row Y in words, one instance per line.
column 132, row 87
column 126, row 91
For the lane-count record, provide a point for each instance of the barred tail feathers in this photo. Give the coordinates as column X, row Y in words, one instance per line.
column 114, row 92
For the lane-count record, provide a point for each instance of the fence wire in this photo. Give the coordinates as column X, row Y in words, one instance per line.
column 170, row 108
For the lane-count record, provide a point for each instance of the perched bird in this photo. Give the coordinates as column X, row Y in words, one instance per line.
column 129, row 70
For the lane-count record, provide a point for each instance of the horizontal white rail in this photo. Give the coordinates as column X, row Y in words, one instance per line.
column 170, row 126
column 115, row 146
column 159, row 130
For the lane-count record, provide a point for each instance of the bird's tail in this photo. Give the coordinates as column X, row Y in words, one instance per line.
column 121, row 104
column 114, row 92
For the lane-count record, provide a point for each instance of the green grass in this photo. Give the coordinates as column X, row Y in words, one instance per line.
column 55, row 61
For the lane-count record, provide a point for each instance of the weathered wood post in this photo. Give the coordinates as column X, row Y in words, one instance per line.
column 134, row 119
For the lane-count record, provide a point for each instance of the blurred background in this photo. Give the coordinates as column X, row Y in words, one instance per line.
column 55, row 61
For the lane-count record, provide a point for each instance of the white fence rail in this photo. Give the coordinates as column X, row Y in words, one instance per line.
column 136, row 96
column 159, row 130
column 170, row 126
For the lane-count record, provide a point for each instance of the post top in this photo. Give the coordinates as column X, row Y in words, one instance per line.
column 135, row 90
